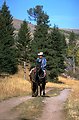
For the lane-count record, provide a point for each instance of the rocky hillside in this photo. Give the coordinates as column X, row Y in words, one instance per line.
column 76, row 31
column 17, row 23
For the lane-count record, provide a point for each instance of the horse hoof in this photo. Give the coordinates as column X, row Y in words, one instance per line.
column 44, row 94
column 33, row 95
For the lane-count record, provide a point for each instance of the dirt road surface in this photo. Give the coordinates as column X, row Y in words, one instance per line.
column 53, row 107
column 7, row 105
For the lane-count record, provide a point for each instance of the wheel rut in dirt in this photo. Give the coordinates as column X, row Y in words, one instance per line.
column 7, row 105
column 54, row 106
column 53, row 109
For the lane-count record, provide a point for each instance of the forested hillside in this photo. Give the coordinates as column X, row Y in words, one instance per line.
column 69, row 62
column 21, row 41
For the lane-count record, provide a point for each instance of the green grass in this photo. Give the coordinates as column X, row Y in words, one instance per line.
column 54, row 92
column 31, row 109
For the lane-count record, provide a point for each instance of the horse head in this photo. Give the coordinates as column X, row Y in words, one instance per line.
column 40, row 72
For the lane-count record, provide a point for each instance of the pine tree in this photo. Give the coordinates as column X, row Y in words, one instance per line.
column 8, row 62
column 51, row 42
column 39, row 43
column 37, row 14
column 57, row 50
column 23, row 43
column 72, row 38
column 40, row 40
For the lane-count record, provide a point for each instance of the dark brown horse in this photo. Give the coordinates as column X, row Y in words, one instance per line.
column 37, row 79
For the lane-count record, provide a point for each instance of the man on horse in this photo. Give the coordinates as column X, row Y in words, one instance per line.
column 42, row 60
column 38, row 75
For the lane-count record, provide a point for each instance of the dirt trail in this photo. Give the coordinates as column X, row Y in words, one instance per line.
column 7, row 105
column 54, row 107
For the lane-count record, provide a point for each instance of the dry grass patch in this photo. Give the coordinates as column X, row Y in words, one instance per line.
column 14, row 86
column 72, row 105
column 62, row 83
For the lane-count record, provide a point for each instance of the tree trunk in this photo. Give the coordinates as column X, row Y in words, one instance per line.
column 73, row 64
column 24, row 70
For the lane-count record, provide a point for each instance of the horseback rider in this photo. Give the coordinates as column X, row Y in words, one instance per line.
column 38, row 75
column 42, row 61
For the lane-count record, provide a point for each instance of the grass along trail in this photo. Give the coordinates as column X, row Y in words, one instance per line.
column 52, row 105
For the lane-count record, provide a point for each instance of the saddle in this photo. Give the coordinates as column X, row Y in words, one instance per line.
column 42, row 73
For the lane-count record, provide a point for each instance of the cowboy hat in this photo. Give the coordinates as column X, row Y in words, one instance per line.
column 41, row 53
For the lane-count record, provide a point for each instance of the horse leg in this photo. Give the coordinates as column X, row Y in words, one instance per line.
column 36, row 90
column 33, row 89
column 40, row 89
column 43, row 91
column 43, row 87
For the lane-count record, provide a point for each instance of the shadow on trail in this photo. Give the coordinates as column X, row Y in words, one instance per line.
column 24, row 119
column 44, row 96
column 59, row 82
